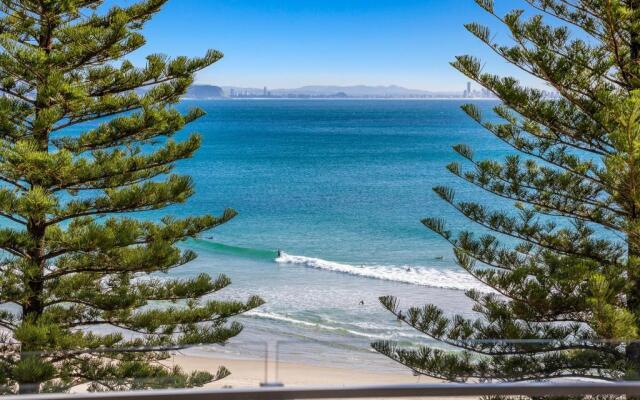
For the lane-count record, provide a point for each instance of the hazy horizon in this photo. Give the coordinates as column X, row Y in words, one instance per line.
column 292, row 44
column 391, row 85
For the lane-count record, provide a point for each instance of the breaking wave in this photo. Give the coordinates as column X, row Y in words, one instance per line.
column 425, row 276
column 416, row 275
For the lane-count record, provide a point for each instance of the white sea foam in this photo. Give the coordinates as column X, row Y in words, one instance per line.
column 317, row 325
column 425, row 276
column 283, row 318
column 278, row 317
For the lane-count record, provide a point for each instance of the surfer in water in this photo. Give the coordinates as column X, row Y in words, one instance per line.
column 279, row 253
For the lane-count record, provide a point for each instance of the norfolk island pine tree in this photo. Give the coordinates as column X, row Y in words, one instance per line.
column 562, row 258
column 73, row 258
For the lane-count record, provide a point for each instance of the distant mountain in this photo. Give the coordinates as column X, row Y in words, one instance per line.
column 330, row 91
column 204, row 92
column 354, row 91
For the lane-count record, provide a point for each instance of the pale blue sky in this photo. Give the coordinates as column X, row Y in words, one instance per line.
column 291, row 43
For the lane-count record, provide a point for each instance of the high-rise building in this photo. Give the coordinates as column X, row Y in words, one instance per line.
column 468, row 89
column 264, row 92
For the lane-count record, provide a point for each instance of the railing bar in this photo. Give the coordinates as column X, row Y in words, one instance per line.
column 277, row 367
column 365, row 391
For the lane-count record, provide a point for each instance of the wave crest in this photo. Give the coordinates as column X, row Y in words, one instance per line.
column 425, row 276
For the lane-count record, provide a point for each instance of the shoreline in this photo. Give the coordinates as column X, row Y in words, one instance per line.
column 252, row 372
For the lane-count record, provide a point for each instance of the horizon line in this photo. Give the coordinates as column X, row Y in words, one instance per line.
column 328, row 85
column 476, row 87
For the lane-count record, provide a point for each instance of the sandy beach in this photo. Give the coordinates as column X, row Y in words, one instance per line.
column 250, row 373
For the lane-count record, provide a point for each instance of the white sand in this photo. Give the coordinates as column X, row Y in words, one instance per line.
column 250, row 373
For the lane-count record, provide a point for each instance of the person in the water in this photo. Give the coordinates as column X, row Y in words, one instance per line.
column 279, row 253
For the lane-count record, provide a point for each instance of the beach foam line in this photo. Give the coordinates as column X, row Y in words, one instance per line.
column 283, row 318
column 425, row 276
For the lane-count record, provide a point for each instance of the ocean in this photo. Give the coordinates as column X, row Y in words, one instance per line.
column 339, row 186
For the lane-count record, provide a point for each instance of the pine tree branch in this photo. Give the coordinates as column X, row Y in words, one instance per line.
column 86, row 184
column 622, row 65
column 539, row 155
column 531, row 114
column 532, row 240
column 467, row 344
column 585, row 216
column 17, row 95
column 518, row 37
column 90, row 117
column 14, row 183
column 565, row 55
column 585, row 9
column 567, row 198
column 565, row 92
column 104, row 271
column 595, row 34
column 108, row 211
column 62, row 251
column 463, row 376
column 12, row 218
column 602, row 149
column 126, row 88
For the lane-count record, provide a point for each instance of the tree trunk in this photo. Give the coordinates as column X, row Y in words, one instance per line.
column 34, row 306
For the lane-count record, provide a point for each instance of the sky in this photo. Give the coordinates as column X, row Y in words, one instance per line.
column 292, row 43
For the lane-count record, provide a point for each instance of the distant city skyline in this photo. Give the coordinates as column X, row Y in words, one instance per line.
column 265, row 91
column 288, row 44
column 200, row 91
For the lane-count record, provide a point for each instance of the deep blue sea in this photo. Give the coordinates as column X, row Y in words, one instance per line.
column 340, row 187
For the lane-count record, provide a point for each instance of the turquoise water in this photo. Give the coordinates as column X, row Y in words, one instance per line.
column 340, row 187
column 339, row 180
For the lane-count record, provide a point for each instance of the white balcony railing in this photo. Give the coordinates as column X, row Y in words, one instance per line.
column 368, row 391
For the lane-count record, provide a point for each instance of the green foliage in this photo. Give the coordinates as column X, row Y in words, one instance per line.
column 563, row 261
column 72, row 259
